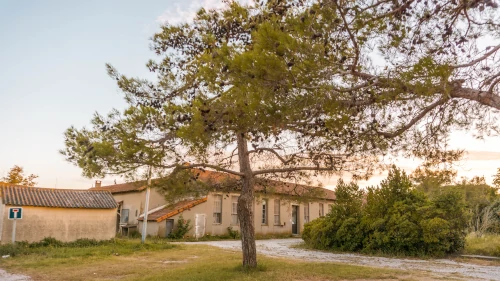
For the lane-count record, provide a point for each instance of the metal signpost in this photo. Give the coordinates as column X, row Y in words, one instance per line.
column 146, row 208
column 15, row 214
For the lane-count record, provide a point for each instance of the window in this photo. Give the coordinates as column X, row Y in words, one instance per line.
column 264, row 211
column 321, row 210
column 277, row 220
column 234, row 210
column 306, row 212
column 124, row 216
column 330, row 206
column 217, row 208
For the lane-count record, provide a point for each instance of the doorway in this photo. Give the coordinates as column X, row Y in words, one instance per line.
column 170, row 227
column 295, row 219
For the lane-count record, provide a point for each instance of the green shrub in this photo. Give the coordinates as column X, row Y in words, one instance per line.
column 320, row 233
column 234, row 234
column 134, row 234
column 24, row 248
column 13, row 250
column 339, row 229
column 47, row 242
column 182, row 228
column 87, row 243
column 396, row 219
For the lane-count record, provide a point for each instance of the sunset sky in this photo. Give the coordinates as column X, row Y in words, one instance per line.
column 52, row 57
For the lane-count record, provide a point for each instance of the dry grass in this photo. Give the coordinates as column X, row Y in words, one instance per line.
column 182, row 262
column 488, row 245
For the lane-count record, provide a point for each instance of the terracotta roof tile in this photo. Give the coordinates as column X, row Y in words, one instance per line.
column 123, row 187
column 173, row 210
column 267, row 185
column 219, row 178
column 59, row 198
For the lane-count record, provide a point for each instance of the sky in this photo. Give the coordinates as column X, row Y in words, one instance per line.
column 52, row 76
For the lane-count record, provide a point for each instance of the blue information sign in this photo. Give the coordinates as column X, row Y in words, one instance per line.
column 15, row 213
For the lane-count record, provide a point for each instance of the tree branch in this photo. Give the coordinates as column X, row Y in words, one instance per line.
column 285, row 162
column 202, row 165
column 293, row 169
column 482, row 97
column 478, row 59
column 351, row 36
column 413, row 121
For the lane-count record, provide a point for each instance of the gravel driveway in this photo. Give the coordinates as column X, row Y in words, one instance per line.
column 438, row 267
column 4, row 276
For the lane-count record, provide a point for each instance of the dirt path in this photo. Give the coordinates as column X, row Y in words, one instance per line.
column 437, row 267
column 4, row 276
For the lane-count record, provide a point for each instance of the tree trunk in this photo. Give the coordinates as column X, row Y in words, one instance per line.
column 245, row 201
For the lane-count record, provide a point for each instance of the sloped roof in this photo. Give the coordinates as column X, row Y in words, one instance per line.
column 294, row 189
column 123, row 187
column 173, row 210
column 57, row 198
column 218, row 179
column 266, row 185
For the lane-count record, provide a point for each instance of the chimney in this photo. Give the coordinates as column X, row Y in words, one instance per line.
column 97, row 183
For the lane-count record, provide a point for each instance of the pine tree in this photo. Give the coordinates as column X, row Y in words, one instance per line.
column 289, row 89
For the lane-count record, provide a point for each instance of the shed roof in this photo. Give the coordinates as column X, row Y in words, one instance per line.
column 174, row 209
column 57, row 198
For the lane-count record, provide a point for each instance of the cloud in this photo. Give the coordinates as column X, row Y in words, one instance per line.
column 474, row 155
column 182, row 12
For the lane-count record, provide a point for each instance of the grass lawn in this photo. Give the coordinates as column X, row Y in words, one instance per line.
column 129, row 260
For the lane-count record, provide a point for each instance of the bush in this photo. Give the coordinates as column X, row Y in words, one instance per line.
column 134, row 234
column 320, row 233
column 340, row 228
column 24, row 248
column 181, row 229
column 396, row 219
column 47, row 242
column 234, row 234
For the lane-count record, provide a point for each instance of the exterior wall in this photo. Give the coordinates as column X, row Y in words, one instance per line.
column 152, row 228
column 207, row 208
column 286, row 206
column 64, row 224
column 135, row 201
column 160, row 228
column 2, row 215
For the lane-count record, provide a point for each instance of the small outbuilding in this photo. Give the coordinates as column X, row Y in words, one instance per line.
column 64, row 214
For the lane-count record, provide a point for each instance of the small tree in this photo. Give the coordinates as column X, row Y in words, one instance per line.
column 436, row 172
column 496, row 179
column 16, row 176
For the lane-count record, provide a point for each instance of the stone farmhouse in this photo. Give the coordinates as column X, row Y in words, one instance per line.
column 279, row 207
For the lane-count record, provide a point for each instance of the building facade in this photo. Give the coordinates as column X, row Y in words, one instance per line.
column 63, row 214
column 215, row 213
column 131, row 199
column 278, row 207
